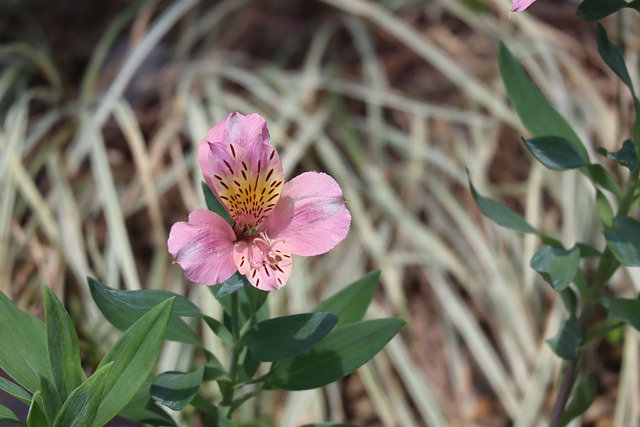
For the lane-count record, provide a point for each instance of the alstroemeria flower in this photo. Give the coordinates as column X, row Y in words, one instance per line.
column 520, row 5
column 271, row 219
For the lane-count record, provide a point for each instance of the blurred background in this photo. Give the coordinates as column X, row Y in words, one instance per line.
column 102, row 105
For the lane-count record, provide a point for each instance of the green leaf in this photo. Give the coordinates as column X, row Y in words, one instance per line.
column 626, row 156
column 15, row 390
column 23, row 355
column 176, row 389
column 557, row 266
column 123, row 308
column 594, row 10
column 62, row 346
column 600, row 176
column 613, row 57
column 142, row 408
column 535, row 112
column 582, row 398
column 81, row 408
column 35, row 416
column 7, row 416
column 230, row 286
column 566, row 342
column 555, row 153
column 282, row 337
column 343, row 351
column 248, row 300
column 627, row 310
column 351, row 303
column 51, row 401
column 605, row 211
column 133, row 357
column 623, row 239
column 213, row 204
column 570, row 300
column 500, row 214
column 219, row 329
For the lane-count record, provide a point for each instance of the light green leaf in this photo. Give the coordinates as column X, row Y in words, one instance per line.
column 62, row 346
column 343, row 351
column 500, row 214
column 624, row 240
column 36, row 416
column 566, row 342
column 351, row 303
column 81, row 408
column 176, row 390
column 219, row 329
column 123, row 308
column 51, row 402
column 627, row 310
column 133, row 357
column 7, row 416
column 555, row 153
column 582, row 398
column 557, row 266
column 535, row 112
column 282, row 337
column 605, row 211
column 23, row 354
column 15, row 390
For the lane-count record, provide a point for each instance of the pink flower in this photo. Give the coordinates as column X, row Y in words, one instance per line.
column 271, row 219
column 520, row 5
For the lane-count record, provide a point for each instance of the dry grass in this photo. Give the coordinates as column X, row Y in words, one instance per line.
column 394, row 99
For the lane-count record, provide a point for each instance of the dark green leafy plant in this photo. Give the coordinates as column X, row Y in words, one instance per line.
column 556, row 146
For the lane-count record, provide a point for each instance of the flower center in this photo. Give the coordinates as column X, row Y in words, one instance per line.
column 266, row 254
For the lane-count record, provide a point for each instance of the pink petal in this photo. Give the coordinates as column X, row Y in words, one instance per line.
column 311, row 216
column 267, row 268
column 246, row 177
column 203, row 247
column 520, row 5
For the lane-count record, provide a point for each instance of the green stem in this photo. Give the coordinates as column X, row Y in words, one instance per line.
column 607, row 266
column 229, row 388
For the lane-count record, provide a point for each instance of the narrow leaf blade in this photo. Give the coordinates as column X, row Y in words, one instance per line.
column 62, row 346
column 555, row 153
column 282, row 337
column 133, row 357
column 176, row 390
column 344, row 350
column 351, row 303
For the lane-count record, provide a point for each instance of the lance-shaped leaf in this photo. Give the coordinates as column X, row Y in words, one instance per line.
column 133, row 357
column 501, row 214
column 7, row 416
column 595, row 10
column 626, row 156
column 81, row 408
column 143, row 408
column 176, row 390
column 213, row 204
column 566, row 342
column 535, row 112
column 51, row 402
column 282, row 337
column 612, row 56
column 557, row 266
column 582, row 398
column 123, row 308
column 604, row 209
column 351, row 303
column 23, row 353
column 623, row 239
column 555, row 153
column 15, row 390
column 343, row 351
column 62, row 346
column 625, row 309
column 36, row 416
